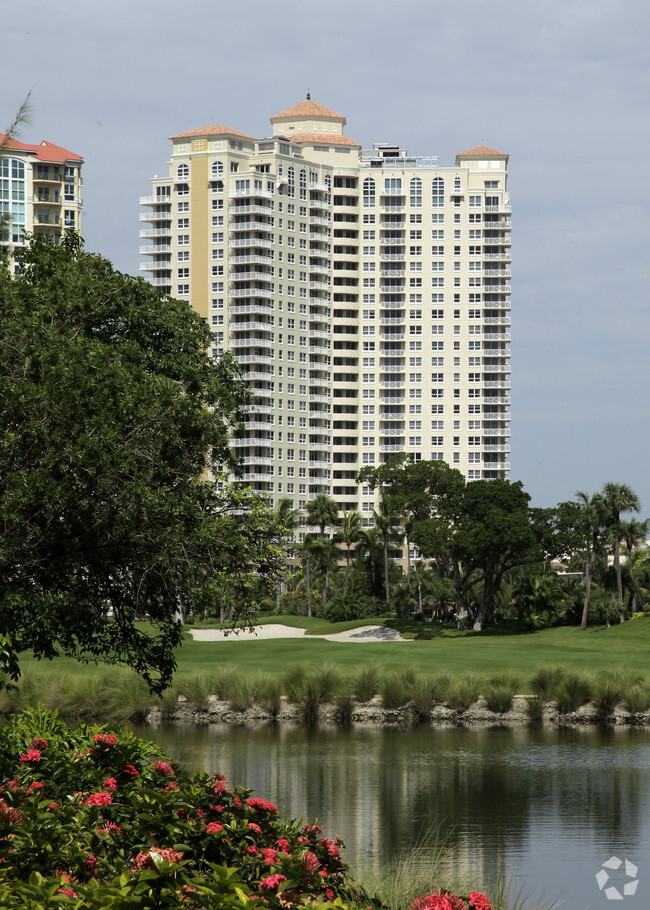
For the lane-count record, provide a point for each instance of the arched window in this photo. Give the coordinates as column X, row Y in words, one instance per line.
column 368, row 192
column 183, row 172
column 303, row 184
column 217, row 169
column 291, row 179
column 438, row 192
column 456, row 184
column 416, row 192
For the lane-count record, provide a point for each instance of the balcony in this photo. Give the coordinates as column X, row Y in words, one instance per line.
column 393, row 241
column 502, row 207
column 319, row 236
column 495, row 448
column 318, row 188
column 319, row 270
column 497, row 336
column 250, row 226
column 253, row 341
column 392, row 209
column 497, row 257
column 250, row 308
column 155, row 232
column 319, row 285
column 152, row 250
column 252, row 292
column 392, row 448
column 496, row 320
column 393, row 336
column 317, row 219
column 161, row 282
column 385, row 432
column 254, row 358
column 389, row 401
column 392, row 273
column 502, row 431
column 155, row 216
column 252, row 242
column 250, row 326
column 250, row 258
column 320, row 399
column 318, row 204
column 391, row 384
column 249, row 276
column 50, row 219
column 392, row 257
column 392, row 320
column 250, row 210
column 497, row 384
column 497, row 368
column 497, row 273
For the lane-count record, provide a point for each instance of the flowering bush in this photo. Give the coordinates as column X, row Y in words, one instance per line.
column 100, row 819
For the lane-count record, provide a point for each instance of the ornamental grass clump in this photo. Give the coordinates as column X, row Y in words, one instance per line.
column 636, row 699
column 500, row 691
column 268, row 692
column 463, row 692
column 198, row 690
column 365, row 684
column 396, row 689
column 607, row 692
column 546, row 681
column 573, row 692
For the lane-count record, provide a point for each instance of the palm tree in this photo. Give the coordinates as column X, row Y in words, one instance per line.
column 322, row 511
column 617, row 498
column 288, row 518
column 326, row 554
column 386, row 520
column 307, row 549
column 634, row 534
column 349, row 534
column 592, row 519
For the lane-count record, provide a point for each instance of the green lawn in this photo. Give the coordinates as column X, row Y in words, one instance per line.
column 487, row 652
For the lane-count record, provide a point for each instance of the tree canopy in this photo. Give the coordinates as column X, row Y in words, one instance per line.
column 111, row 411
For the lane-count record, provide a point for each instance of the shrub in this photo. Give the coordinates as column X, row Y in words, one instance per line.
column 99, row 816
column 606, row 694
column 329, row 679
column 268, row 692
column 293, row 682
column 344, row 707
column 198, row 690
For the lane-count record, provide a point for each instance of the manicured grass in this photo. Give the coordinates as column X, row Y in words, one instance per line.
column 448, row 651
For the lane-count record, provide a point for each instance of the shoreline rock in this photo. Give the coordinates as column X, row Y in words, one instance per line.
column 373, row 713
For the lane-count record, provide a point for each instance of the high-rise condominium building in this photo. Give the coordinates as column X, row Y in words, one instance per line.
column 40, row 190
column 364, row 292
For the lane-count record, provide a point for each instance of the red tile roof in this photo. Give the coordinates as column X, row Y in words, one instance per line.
column 46, row 151
column 324, row 139
column 215, row 129
column 308, row 110
column 482, row 151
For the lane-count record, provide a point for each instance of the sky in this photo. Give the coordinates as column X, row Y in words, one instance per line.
column 563, row 86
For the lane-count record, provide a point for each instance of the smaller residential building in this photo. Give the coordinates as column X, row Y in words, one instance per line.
column 40, row 190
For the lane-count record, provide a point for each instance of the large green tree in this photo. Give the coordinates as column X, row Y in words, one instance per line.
column 110, row 413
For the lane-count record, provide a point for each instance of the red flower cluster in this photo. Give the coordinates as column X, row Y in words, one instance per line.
column 105, row 739
column 39, row 743
column 91, row 865
column 261, row 805
column 98, row 799
column 213, row 828
column 253, row 827
column 146, row 861
column 445, row 900
column 163, row 768
column 310, row 862
column 130, row 771
column 31, row 755
column 110, row 783
column 270, row 855
column 9, row 816
column 272, row 883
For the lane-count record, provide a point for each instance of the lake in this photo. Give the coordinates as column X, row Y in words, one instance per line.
column 545, row 808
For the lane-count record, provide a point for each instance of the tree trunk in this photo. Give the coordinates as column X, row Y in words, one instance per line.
column 585, row 608
column 619, row 581
column 347, row 571
column 325, row 588
column 462, row 609
column 420, row 595
column 386, row 570
column 637, row 593
column 308, row 580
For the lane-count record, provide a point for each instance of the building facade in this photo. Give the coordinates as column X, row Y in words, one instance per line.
column 40, row 190
column 364, row 292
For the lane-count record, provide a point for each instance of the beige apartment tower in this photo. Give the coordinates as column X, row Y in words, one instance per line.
column 364, row 292
column 40, row 190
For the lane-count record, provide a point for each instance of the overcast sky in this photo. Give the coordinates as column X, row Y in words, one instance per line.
column 563, row 86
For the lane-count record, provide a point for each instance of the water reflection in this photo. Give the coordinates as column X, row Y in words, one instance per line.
column 543, row 807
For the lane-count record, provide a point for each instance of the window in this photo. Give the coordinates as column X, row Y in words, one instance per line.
column 416, row 192
column 183, row 255
column 368, row 192
column 437, row 361
column 183, row 172
column 437, row 251
column 415, row 377
column 183, row 289
column 415, row 409
column 474, row 345
column 475, row 201
column 437, row 192
column 183, row 223
column 415, row 314
column 437, row 440
column 437, row 377
column 183, row 239
column 415, row 440
column 415, row 282
column 185, row 206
